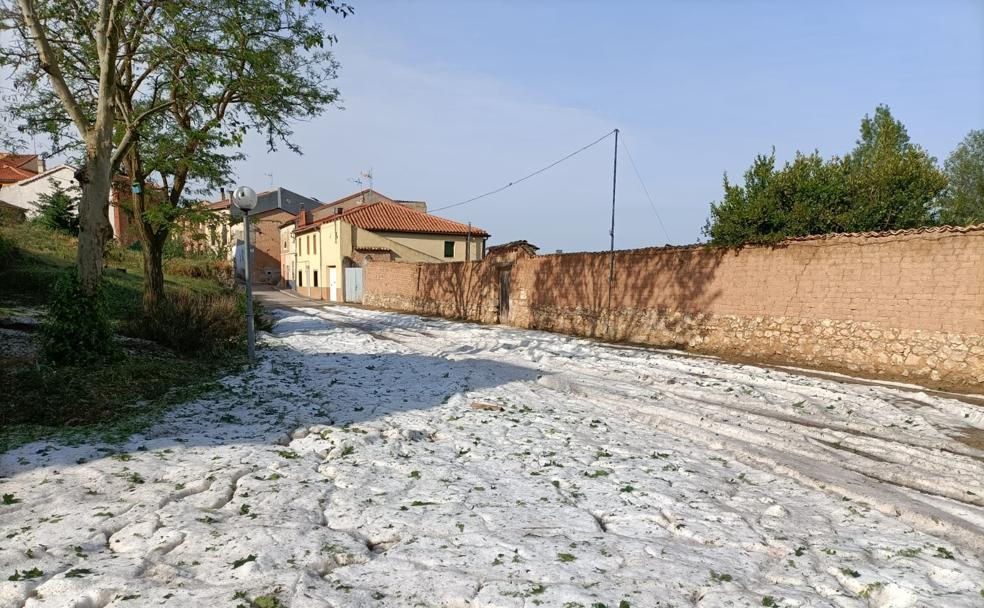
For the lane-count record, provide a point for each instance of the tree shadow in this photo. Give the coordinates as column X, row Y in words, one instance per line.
column 659, row 296
column 297, row 384
column 459, row 290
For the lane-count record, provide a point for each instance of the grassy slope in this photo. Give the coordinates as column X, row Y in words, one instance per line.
column 111, row 400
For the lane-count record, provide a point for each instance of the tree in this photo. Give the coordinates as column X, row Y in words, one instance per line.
column 67, row 58
column 93, row 75
column 893, row 182
column 963, row 202
column 251, row 65
column 884, row 183
column 57, row 210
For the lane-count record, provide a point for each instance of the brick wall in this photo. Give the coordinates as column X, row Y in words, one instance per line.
column 898, row 305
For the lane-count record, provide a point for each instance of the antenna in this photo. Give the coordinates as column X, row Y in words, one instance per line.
column 368, row 175
column 270, row 175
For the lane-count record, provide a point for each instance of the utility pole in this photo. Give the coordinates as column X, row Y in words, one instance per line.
column 611, row 233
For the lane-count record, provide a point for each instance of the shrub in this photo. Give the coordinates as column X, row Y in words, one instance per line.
column 201, row 268
column 76, row 329
column 58, row 210
column 10, row 215
column 196, row 324
column 8, row 252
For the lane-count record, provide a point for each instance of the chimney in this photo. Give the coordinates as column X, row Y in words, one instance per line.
column 41, row 168
column 301, row 217
column 222, row 191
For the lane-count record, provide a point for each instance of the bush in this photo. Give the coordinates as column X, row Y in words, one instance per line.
column 58, row 210
column 195, row 324
column 77, row 328
column 11, row 215
column 8, row 252
column 201, row 268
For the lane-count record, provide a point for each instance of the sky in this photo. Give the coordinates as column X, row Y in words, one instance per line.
column 445, row 100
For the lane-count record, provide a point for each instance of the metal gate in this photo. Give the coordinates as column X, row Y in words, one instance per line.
column 353, row 284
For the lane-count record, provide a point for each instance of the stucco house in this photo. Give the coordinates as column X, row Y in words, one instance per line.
column 329, row 252
column 24, row 179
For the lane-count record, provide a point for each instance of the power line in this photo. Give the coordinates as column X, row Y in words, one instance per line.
column 523, row 179
column 646, row 190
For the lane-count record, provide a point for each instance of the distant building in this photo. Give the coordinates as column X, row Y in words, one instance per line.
column 328, row 253
column 508, row 253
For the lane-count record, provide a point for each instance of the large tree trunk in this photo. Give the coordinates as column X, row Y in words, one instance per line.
column 152, row 236
column 153, row 267
column 94, row 227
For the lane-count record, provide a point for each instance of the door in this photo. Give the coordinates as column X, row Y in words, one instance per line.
column 353, row 284
column 504, row 295
column 332, row 284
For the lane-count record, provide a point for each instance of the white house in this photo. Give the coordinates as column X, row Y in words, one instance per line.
column 27, row 192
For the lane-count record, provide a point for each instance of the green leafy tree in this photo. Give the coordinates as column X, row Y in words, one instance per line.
column 94, row 74
column 239, row 67
column 963, row 202
column 884, row 183
column 58, row 210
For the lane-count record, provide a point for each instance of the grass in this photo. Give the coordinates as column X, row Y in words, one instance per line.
column 107, row 401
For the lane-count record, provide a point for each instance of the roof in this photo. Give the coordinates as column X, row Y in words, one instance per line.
column 390, row 217
column 36, row 176
column 348, row 198
column 886, row 233
column 12, row 167
column 227, row 202
column 525, row 245
column 17, row 160
column 9, row 173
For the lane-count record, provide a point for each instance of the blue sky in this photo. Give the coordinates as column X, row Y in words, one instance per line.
column 446, row 100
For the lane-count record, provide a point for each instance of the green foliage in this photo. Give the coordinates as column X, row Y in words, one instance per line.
column 963, row 202
column 58, row 210
column 77, row 329
column 8, row 252
column 885, row 183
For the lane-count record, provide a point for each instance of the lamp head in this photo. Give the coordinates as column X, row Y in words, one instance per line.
column 245, row 198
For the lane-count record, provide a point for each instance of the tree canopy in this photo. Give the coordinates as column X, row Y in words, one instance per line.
column 963, row 201
column 886, row 182
column 97, row 76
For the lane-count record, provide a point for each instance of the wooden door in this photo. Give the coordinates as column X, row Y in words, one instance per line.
column 504, row 295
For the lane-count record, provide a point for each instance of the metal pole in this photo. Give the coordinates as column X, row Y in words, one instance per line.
column 250, row 338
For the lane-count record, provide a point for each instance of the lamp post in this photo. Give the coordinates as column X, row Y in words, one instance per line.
column 245, row 199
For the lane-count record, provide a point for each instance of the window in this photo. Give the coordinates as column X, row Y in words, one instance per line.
column 300, row 279
column 339, row 211
column 315, row 283
column 449, row 249
column 308, row 241
column 315, row 249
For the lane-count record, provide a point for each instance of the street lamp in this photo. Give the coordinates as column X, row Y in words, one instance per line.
column 245, row 199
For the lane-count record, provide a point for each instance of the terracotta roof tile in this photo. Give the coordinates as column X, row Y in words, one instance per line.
column 16, row 160
column 390, row 217
column 10, row 173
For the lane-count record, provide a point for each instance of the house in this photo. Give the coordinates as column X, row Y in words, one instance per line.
column 365, row 197
column 329, row 252
column 24, row 179
column 273, row 209
column 507, row 253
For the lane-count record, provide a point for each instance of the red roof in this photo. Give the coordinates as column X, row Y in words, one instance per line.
column 12, row 167
column 390, row 217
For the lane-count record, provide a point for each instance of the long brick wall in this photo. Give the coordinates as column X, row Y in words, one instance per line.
column 898, row 305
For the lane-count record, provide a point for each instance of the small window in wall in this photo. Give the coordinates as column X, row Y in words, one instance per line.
column 315, row 245
column 339, row 211
column 300, row 279
column 449, row 249
column 315, row 283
